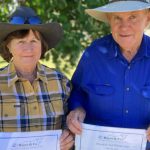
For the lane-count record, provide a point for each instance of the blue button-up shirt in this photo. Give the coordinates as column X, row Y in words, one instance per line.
column 113, row 91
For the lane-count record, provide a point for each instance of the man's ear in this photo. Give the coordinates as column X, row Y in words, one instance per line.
column 108, row 17
column 148, row 18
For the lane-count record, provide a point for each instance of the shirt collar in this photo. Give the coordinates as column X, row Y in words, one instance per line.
column 113, row 48
column 145, row 47
column 143, row 50
column 12, row 75
column 41, row 73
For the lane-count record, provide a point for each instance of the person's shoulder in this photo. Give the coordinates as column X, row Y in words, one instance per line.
column 147, row 37
column 3, row 69
column 101, row 45
column 3, row 75
column 104, row 41
column 147, row 41
column 53, row 72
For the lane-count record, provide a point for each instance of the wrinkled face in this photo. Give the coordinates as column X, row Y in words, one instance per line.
column 26, row 51
column 128, row 27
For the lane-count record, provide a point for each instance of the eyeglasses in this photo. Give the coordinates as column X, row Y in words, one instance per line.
column 25, row 20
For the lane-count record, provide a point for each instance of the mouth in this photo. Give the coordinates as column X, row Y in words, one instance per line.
column 27, row 56
column 125, row 35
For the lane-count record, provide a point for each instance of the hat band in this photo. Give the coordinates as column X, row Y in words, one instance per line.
column 111, row 1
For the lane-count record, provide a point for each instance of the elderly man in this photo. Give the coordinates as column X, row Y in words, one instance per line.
column 111, row 85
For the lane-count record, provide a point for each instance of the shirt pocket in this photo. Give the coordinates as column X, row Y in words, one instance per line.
column 8, row 109
column 100, row 89
column 145, row 103
column 55, row 105
column 100, row 97
column 145, row 91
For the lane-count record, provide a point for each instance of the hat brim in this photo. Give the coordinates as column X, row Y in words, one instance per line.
column 119, row 6
column 52, row 32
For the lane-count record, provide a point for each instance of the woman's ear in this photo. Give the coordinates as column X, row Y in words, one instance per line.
column 8, row 46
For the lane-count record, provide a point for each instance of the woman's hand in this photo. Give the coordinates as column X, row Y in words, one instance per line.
column 66, row 140
column 74, row 120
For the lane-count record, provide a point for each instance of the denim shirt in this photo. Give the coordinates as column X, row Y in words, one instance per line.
column 113, row 91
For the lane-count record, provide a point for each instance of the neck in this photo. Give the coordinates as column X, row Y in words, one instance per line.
column 27, row 74
column 129, row 54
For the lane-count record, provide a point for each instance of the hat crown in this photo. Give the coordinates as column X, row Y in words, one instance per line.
column 25, row 18
column 24, row 11
column 146, row 1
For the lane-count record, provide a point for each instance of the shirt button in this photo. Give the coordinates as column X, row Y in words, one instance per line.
column 129, row 67
column 34, row 107
column 36, row 126
column 126, row 111
column 6, row 115
column 127, row 89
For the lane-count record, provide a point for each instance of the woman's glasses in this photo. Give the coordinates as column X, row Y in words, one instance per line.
column 25, row 20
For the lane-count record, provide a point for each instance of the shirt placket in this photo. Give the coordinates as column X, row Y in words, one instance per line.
column 127, row 93
column 32, row 107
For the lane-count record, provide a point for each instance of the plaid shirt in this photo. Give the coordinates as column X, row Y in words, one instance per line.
column 36, row 107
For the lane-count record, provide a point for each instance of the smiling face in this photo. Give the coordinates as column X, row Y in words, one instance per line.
column 26, row 51
column 128, row 27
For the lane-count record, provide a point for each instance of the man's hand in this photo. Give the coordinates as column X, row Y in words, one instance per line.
column 74, row 120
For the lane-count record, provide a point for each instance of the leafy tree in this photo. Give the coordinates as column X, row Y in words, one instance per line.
column 79, row 28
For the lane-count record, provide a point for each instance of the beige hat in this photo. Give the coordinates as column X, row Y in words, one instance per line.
column 117, row 6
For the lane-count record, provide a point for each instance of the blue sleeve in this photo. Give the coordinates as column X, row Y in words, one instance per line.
column 82, row 77
column 79, row 80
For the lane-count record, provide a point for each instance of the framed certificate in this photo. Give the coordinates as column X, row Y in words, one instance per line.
column 37, row 140
column 109, row 138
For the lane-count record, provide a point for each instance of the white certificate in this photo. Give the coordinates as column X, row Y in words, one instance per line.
column 37, row 140
column 109, row 138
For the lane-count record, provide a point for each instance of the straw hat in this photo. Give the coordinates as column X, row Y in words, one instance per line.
column 117, row 6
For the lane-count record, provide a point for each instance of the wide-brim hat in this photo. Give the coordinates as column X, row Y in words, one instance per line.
column 99, row 13
column 52, row 32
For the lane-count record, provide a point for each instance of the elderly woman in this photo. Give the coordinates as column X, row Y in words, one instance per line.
column 111, row 85
column 33, row 97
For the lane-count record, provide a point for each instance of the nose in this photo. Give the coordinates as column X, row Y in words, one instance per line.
column 124, row 24
column 28, row 46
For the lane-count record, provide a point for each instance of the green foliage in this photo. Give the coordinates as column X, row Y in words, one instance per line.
column 79, row 28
